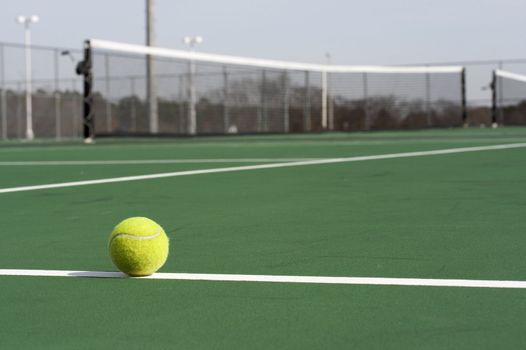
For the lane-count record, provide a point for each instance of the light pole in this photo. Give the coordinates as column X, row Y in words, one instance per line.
column 192, row 122
column 26, row 21
column 329, row 106
column 151, row 86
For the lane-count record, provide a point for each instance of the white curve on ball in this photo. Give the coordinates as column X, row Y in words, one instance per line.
column 135, row 236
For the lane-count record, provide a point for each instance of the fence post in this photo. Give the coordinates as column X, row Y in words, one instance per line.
column 307, row 105
column 109, row 121
column 428, row 100
column 499, row 90
column 330, row 104
column 19, row 109
column 324, row 100
column 3, row 100
column 226, row 115
column 286, row 122
column 182, row 104
column 366, row 121
column 262, row 110
column 133, row 112
column 57, row 98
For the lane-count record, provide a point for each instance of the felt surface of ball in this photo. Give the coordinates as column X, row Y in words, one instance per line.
column 138, row 246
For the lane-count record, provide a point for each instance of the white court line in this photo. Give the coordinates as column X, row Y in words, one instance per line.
column 150, row 161
column 377, row 281
column 262, row 166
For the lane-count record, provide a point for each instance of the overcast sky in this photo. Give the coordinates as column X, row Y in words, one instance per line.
column 354, row 32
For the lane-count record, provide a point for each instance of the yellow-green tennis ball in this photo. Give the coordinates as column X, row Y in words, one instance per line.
column 138, row 246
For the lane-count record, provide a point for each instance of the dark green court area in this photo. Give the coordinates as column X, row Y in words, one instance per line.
column 454, row 216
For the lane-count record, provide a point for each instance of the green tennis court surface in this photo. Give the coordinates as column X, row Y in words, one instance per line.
column 443, row 216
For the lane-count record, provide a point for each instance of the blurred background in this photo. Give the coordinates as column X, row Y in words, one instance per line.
column 479, row 35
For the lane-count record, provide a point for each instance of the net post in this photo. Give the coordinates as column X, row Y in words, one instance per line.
column 463, row 97
column 493, row 86
column 85, row 68
column 3, row 100
column 286, row 125
column 226, row 115
column 324, row 100
column 307, row 105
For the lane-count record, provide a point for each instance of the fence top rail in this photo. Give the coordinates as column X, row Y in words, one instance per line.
column 264, row 63
column 39, row 47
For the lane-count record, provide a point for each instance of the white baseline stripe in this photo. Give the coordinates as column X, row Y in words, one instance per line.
column 262, row 166
column 422, row 282
column 150, row 161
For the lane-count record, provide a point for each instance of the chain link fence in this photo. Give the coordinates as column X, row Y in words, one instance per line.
column 56, row 92
column 479, row 75
column 57, row 95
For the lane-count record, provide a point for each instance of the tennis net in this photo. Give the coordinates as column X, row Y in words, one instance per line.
column 140, row 90
column 509, row 98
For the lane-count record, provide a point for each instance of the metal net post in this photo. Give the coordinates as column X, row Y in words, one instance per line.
column 494, row 99
column 463, row 98
column 88, row 120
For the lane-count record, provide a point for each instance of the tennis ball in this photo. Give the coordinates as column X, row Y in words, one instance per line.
column 138, row 246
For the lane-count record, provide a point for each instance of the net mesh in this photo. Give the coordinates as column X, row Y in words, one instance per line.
column 510, row 97
column 233, row 95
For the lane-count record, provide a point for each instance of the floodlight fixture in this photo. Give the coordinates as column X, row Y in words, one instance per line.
column 192, row 41
column 27, row 19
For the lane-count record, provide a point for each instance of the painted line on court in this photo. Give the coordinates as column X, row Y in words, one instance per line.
column 150, row 161
column 374, row 281
column 263, row 166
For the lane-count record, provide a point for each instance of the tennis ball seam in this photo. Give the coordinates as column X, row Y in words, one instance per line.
column 134, row 236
